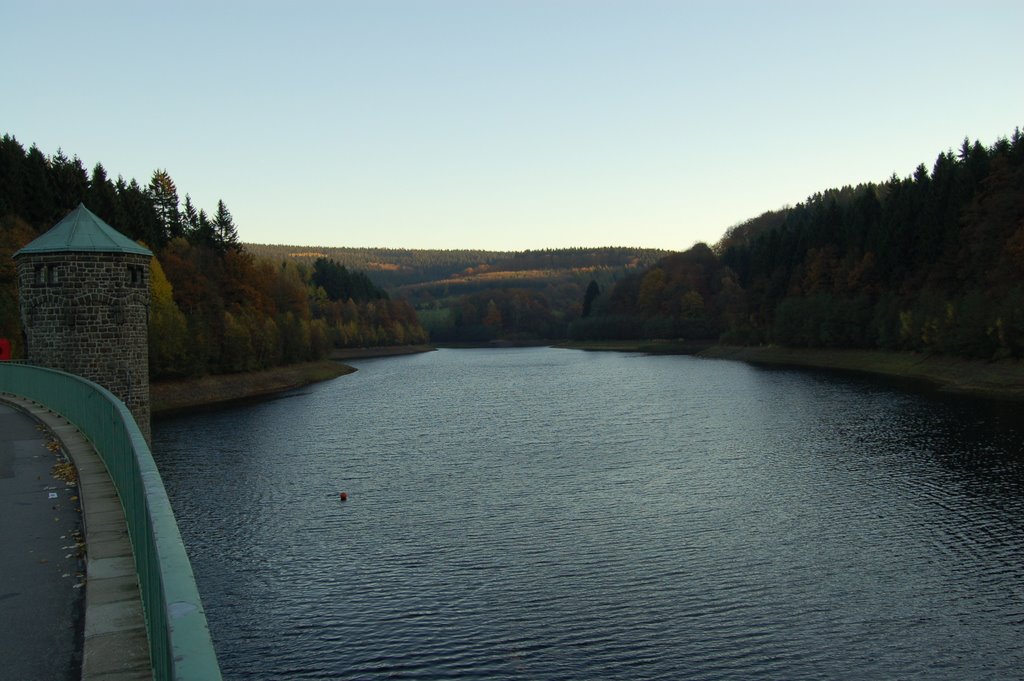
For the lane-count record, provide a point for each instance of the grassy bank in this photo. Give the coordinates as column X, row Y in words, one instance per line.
column 1002, row 380
column 167, row 397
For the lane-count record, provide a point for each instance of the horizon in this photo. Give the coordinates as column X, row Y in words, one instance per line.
column 511, row 126
column 458, row 249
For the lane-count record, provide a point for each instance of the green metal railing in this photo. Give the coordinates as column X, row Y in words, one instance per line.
column 179, row 638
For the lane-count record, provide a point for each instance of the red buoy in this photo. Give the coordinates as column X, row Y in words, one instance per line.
column 343, row 496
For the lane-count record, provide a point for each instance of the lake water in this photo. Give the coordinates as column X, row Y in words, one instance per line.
column 554, row 514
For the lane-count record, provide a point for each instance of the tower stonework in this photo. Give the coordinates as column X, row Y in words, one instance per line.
column 84, row 294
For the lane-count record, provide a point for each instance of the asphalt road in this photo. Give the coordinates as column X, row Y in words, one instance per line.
column 41, row 595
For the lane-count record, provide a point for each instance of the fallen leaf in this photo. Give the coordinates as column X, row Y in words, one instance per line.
column 64, row 471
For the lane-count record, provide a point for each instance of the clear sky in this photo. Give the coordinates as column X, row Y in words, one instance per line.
column 508, row 124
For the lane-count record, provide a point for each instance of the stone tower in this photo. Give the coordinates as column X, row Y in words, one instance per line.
column 84, row 293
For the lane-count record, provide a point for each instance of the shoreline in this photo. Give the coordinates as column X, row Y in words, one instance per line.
column 183, row 395
column 999, row 380
column 341, row 354
column 649, row 347
column 498, row 343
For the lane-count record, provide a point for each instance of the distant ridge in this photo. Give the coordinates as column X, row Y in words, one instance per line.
column 395, row 267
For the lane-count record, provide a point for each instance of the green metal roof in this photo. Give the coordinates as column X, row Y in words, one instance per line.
column 82, row 232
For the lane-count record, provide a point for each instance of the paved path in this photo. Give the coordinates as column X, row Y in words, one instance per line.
column 41, row 570
column 56, row 642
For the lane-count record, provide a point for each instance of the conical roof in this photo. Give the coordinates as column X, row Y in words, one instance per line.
column 82, row 232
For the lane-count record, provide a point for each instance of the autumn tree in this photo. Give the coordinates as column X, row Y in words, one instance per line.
column 168, row 328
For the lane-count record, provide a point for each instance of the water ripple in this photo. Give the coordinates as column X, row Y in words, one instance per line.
column 543, row 514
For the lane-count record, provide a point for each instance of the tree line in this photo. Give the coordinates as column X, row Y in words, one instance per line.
column 534, row 304
column 456, row 292
column 394, row 268
column 932, row 262
column 215, row 308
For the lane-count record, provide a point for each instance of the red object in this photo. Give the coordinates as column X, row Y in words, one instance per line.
column 343, row 496
column 5, row 349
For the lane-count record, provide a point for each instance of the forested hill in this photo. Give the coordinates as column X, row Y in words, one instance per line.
column 215, row 307
column 473, row 296
column 390, row 267
column 395, row 267
column 933, row 261
column 929, row 262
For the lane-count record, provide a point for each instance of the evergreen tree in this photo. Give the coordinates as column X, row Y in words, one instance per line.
column 164, row 195
column 40, row 211
column 341, row 284
column 69, row 180
column 12, row 180
column 593, row 291
column 206, row 232
column 226, row 232
column 141, row 220
column 189, row 217
column 102, row 198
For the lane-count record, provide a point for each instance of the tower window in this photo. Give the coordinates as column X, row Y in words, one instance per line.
column 136, row 276
column 46, row 275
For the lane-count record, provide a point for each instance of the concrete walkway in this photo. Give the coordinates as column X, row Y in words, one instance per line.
column 43, row 574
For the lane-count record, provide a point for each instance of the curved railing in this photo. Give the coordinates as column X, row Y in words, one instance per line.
column 179, row 638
